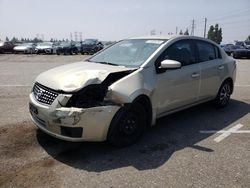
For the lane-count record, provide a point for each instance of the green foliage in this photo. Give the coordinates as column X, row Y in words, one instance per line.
column 186, row 32
column 215, row 33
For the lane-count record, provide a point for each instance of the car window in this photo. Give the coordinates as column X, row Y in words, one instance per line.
column 182, row 51
column 207, row 51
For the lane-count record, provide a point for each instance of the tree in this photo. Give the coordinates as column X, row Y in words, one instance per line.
column 7, row 39
column 14, row 40
column 215, row 33
column 181, row 33
column 186, row 32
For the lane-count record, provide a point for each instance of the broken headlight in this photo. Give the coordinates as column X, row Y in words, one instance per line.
column 90, row 96
column 96, row 94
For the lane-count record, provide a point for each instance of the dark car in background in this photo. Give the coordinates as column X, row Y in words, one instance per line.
column 6, row 47
column 67, row 48
column 91, row 46
column 241, row 52
column 228, row 48
column 247, row 43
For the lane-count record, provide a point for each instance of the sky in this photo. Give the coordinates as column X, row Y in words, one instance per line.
column 119, row 19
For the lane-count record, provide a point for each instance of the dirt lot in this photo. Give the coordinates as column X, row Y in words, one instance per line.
column 174, row 153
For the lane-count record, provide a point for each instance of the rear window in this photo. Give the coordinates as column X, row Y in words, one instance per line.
column 207, row 51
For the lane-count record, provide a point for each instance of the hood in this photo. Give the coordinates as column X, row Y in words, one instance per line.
column 21, row 47
column 73, row 77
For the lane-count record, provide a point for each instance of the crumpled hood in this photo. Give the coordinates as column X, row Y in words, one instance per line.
column 73, row 77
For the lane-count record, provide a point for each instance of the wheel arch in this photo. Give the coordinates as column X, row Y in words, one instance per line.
column 230, row 80
column 145, row 101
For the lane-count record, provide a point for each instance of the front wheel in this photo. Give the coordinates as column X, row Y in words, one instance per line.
column 223, row 96
column 127, row 125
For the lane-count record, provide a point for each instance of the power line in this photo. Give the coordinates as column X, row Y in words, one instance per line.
column 229, row 16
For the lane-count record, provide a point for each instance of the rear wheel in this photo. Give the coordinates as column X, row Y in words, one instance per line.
column 127, row 125
column 223, row 96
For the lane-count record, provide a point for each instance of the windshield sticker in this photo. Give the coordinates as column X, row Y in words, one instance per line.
column 154, row 41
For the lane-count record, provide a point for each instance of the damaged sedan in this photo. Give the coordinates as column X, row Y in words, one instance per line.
column 120, row 91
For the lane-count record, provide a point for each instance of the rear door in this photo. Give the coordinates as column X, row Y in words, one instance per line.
column 212, row 69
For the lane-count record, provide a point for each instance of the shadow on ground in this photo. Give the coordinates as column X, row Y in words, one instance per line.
column 171, row 133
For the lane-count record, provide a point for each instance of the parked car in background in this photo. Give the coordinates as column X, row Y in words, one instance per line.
column 119, row 92
column 6, row 47
column 45, row 48
column 228, row 48
column 67, row 48
column 25, row 48
column 91, row 46
column 247, row 44
column 241, row 43
column 241, row 52
column 79, row 46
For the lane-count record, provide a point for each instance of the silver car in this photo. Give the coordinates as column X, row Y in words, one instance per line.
column 25, row 48
column 119, row 92
column 45, row 48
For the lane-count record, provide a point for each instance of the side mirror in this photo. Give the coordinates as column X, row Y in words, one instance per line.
column 170, row 64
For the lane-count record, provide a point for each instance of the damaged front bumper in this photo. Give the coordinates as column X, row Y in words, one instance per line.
column 70, row 123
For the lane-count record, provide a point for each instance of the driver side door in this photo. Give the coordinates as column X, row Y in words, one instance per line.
column 176, row 88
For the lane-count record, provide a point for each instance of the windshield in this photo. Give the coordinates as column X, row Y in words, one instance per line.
column 239, row 43
column 26, row 44
column 131, row 53
column 89, row 41
column 45, row 44
column 65, row 44
column 238, row 47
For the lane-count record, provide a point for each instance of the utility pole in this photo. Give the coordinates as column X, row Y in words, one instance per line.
column 70, row 36
column 192, row 28
column 152, row 32
column 76, row 36
column 80, row 34
column 205, row 28
column 176, row 30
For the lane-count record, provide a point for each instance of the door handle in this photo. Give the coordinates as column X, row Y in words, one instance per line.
column 221, row 67
column 195, row 75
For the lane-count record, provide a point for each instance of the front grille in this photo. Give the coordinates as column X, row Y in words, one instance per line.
column 43, row 94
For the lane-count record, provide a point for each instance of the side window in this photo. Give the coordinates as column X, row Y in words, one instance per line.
column 182, row 51
column 207, row 51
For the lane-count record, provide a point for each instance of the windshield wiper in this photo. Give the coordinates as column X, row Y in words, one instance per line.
column 107, row 63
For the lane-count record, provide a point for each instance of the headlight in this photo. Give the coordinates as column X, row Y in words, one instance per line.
column 90, row 96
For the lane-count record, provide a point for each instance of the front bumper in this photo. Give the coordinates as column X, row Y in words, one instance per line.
column 55, row 119
column 45, row 51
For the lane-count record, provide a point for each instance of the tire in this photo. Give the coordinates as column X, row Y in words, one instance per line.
column 127, row 125
column 223, row 96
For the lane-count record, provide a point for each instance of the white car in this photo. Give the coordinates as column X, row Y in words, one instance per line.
column 123, row 89
column 45, row 48
column 25, row 48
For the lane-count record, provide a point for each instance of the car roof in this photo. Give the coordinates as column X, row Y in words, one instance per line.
column 168, row 37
